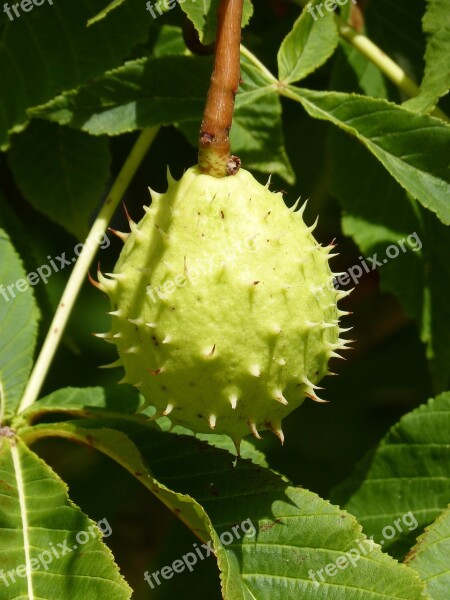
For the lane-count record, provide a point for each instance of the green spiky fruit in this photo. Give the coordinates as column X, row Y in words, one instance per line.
column 224, row 312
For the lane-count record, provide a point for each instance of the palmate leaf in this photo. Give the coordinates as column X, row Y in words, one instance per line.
column 297, row 533
column 413, row 148
column 123, row 401
column 310, row 43
column 436, row 80
column 409, row 472
column 61, row 172
column 50, row 49
column 18, row 327
column 419, row 276
column 141, row 94
column 50, row 550
column 430, row 557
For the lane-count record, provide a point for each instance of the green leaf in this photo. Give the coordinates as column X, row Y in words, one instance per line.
column 76, row 168
column 378, row 222
column 50, row 549
column 436, row 80
column 375, row 221
column 203, row 15
column 257, row 133
column 413, row 148
column 119, row 402
column 139, row 94
column 19, row 317
column 436, row 268
column 169, row 42
column 407, row 474
column 247, row 450
column 430, row 557
column 289, row 532
column 311, row 42
column 50, row 49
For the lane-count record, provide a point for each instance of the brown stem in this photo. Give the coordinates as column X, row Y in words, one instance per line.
column 214, row 143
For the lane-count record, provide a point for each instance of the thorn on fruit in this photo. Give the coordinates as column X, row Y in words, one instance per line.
column 280, row 398
column 104, row 336
column 168, row 410
column 316, row 398
column 309, row 383
column 97, row 284
column 165, row 236
column 295, row 205
column 255, row 371
column 139, row 321
column 120, row 234
column 127, row 215
column 253, row 429
column 209, row 353
column 276, row 428
column 113, row 365
column 131, row 350
column 233, row 401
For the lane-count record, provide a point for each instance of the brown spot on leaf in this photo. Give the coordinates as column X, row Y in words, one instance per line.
column 268, row 526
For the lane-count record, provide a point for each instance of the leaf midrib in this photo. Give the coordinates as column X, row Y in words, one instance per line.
column 23, row 513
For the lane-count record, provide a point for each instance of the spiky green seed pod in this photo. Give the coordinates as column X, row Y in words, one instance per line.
column 224, row 312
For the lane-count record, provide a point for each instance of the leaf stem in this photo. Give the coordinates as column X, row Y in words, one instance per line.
column 386, row 65
column 82, row 265
column 262, row 68
column 214, row 157
column 380, row 59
